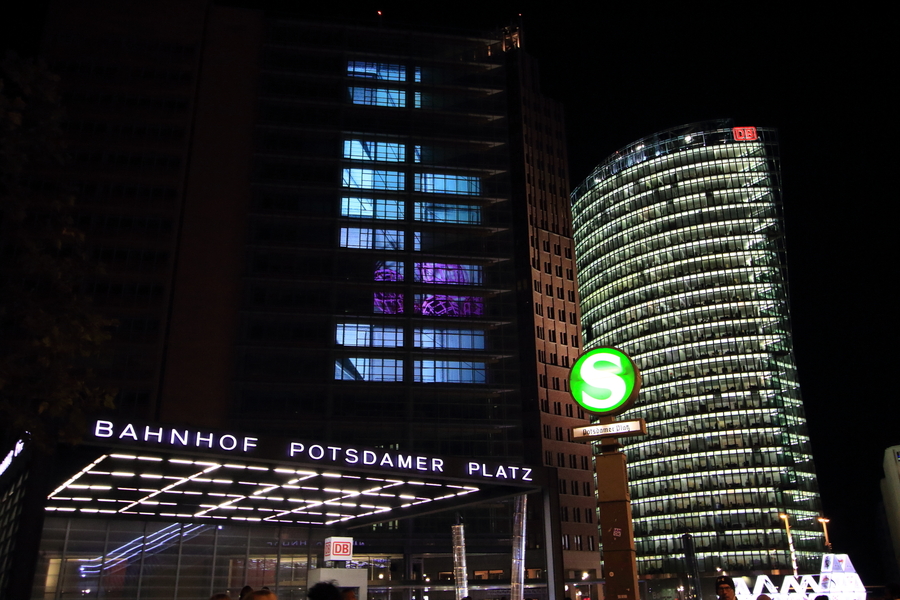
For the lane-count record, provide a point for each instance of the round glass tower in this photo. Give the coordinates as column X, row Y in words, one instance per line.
column 680, row 251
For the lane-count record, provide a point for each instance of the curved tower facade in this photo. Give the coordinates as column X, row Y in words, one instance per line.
column 679, row 243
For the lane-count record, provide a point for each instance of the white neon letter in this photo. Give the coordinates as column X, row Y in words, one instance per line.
column 103, row 429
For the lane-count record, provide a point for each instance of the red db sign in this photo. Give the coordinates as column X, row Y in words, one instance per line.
column 338, row 548
column 744, row 134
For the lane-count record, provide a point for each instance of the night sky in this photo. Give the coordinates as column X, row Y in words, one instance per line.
column 822, row 77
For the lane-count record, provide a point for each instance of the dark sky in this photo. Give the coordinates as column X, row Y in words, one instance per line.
column 822, row 77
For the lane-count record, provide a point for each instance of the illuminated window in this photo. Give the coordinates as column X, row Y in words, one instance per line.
column 449, row 274
column 436, row 183
column 433, row 212
column 388, row 303
column 382, row 71
column 373, row 336
column 378, row 97
column 371, row 239
column 372, row 208
column 456, row 339
column 448, row 371
column 371, row 179
column 368, row 369
column 445, row 305
column 368, row 150
column 389, row 270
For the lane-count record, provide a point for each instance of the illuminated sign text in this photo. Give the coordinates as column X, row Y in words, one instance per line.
column 744, row 134
column 377, row 458
column 499, row 471
column 185, row 438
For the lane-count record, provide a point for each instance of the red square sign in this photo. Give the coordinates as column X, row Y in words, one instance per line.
column 339, row 548
column 744, row 134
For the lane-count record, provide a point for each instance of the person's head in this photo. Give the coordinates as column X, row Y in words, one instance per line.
column 220, row 596
column 245, row 591
column 725, row 588
column 324, row 591
column 263, row 594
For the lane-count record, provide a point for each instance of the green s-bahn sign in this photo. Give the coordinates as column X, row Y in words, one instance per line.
column 604, row 381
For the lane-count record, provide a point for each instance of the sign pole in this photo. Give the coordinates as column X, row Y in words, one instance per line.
column 617, row 533
column 605, row 381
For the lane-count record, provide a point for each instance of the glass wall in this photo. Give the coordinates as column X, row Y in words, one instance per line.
column 679, row 241
column 94, row 558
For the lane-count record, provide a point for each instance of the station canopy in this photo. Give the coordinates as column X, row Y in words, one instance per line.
column 321, row 485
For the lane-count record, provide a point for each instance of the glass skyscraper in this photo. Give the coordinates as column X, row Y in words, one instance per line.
column 680, row 250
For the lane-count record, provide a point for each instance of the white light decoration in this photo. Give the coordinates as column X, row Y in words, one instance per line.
column 117, row 483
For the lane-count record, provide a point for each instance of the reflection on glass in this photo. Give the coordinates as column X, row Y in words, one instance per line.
column 445, row 305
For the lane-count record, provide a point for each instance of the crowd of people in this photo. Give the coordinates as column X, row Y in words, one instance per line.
column 320, row 591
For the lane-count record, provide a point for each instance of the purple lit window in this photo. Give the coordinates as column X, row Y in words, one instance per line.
column 388, row 303
column 450, row 274
column 444, row 305
column 388, row 270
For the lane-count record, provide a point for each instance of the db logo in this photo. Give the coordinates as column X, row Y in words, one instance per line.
column 744, row 134
column 338, row 548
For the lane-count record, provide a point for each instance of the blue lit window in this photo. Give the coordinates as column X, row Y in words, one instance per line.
column 418, row 153
column 433, row 212
column 368, row 369
column 446, row 273
column 378, row 97
column 417, row 99
column 371, row 239
column 371, row 179
column 372, row 208
column 436, row 183
column 371, row 336
column 383, row 151
column 382, row 71
column 448, row 371
column 454, row 339
column 417, row 74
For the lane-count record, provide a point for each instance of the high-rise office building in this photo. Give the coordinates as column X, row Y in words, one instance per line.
column 680, row 246
column 357, row 236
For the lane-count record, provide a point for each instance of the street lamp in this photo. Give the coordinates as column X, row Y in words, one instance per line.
column 825, row 523
column 787, row 527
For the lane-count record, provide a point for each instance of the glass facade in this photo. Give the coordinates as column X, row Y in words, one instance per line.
column 680, row 250
column 379, row 243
